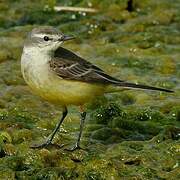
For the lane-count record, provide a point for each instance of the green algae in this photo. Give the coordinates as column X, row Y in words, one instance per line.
column 128, row 135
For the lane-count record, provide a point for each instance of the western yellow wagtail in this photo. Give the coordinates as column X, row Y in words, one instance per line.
column 61, row 77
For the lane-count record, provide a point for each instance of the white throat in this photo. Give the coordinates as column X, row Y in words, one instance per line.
column 35, row 65
column 36, row 55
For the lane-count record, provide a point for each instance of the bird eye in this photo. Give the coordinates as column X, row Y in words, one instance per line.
column 46, row 38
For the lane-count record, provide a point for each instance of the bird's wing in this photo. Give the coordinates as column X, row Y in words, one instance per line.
column 68, row 65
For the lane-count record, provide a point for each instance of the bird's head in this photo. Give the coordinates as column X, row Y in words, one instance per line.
column 46, row 38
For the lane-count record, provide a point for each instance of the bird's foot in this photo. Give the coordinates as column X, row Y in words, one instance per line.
column 75, row 147
column 45, row 144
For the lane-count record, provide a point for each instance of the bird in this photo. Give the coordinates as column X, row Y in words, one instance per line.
column 63, row 78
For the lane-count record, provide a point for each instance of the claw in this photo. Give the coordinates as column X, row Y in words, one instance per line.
column 45, row 144
column 76, row 147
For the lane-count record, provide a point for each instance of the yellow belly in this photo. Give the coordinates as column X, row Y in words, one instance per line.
column 66, row 92
column 63, row 92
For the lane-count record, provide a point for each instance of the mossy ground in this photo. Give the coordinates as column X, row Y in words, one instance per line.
column 128, row 135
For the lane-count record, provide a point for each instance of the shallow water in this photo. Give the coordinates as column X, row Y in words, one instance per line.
column 129, row 135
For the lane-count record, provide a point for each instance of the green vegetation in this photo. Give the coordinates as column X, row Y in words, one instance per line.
column 128, row 135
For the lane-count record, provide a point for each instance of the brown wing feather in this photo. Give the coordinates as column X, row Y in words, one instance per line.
column 68, row 65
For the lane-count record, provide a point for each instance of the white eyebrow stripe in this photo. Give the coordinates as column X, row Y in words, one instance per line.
column 39, row 35
column 42, row 35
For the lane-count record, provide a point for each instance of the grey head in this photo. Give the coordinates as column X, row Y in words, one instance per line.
column 46, row 38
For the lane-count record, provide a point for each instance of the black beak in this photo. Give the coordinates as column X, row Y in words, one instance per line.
column 66, row 38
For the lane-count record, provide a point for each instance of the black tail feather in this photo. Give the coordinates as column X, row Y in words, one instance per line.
column 140, row 86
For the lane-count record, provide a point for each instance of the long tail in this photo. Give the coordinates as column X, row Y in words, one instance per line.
column 140, row 86
column 117, row 82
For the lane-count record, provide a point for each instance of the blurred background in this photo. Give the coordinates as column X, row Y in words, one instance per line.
column 130, row 135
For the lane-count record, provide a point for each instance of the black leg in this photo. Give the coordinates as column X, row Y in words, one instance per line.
column 77, row 145
column 51, row 136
